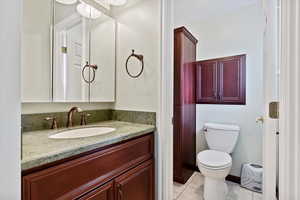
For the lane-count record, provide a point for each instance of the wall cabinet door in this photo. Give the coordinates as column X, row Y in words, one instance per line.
column 136, row 184
column 105, row 192
column 222, row 81
column 207, row 82
column 232, row 80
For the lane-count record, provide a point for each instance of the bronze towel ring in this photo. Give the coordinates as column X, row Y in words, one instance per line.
column 140, row 58
column 94, row 68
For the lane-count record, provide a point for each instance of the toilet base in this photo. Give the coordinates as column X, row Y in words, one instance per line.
column 215, row 189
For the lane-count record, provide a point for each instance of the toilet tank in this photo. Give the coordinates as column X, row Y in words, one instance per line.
column 221, row 137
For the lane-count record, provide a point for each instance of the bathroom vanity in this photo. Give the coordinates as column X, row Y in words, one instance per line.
column 114, row 166
column 69, row 57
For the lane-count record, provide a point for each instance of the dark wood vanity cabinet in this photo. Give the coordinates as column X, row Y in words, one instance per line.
column 123, row 171
column 184, row 126
column 136, row 184
column 105, row 192
column 222, row 80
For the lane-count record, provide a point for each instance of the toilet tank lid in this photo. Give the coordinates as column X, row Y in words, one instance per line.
column 225, row 127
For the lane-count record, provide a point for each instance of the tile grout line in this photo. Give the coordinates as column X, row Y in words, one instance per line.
column 185, row 187
column 180, row 193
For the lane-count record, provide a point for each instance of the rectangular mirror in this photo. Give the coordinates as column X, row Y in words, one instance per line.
column 82, row 42
column 70, row 54
column 36, row 84
column 102, row 49
column 71, row 59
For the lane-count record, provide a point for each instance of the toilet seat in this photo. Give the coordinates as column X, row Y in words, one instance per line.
column 212, row 159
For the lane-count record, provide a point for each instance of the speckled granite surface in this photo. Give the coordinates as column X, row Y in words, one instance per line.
column 38, row 149
column 134, row 116
column 34, row 122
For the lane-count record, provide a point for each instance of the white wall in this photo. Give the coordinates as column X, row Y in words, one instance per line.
column 10, row 170
column 139, row 29
column 232, row 34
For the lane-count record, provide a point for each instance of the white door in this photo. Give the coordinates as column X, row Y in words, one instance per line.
column 270, row 95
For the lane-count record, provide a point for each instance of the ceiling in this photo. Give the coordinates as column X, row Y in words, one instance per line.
column 195, row 10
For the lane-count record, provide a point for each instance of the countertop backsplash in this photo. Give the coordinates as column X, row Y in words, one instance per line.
column 34, row 122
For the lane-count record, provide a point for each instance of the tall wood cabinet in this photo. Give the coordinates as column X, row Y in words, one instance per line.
column 184, row 104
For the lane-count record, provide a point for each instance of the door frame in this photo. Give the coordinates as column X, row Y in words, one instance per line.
column 166, row 96
column 271, row 94
column 289, row 139
column 165, row 126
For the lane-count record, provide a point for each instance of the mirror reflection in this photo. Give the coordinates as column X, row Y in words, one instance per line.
column 84, row 54
column 74, row 56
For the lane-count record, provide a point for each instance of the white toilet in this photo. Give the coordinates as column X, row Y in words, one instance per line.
column 215, row 163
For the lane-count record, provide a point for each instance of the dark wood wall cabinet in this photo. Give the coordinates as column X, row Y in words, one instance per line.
column 185, row 45
column 124, row 171
column 222, row 80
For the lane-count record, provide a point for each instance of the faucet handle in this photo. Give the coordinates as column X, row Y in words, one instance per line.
column 54, row 122
column 84, row 117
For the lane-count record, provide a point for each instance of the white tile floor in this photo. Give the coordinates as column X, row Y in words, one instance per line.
column 193, row 190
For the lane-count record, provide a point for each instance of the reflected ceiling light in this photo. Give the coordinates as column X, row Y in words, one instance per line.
column 117, row 2
column 67, row 2
column 88, row 11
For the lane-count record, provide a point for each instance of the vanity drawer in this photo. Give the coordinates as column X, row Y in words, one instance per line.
column 74, row 178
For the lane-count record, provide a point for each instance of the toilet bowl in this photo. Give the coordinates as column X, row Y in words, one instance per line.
column 214, row 166
column 215, row 163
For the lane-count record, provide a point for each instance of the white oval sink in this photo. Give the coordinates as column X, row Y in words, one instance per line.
column 82, row 132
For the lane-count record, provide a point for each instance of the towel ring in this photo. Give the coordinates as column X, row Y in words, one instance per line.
column 94, row 68
column 140, row 58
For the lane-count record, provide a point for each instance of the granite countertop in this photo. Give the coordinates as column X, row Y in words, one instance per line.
column 38, row 149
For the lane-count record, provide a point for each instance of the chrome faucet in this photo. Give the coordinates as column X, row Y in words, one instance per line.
column 70, row 116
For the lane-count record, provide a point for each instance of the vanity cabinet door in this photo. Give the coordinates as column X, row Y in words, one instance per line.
column 136, row 184
column 105, row 192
